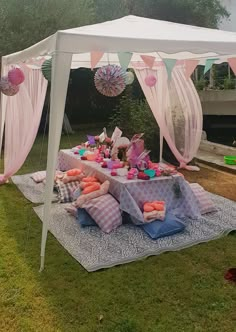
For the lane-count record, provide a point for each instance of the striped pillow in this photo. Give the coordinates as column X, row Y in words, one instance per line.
column 206, row 205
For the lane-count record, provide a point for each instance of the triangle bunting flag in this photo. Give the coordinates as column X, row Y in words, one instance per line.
column 95, row 58
column 148, row 60
column 190, row 65
column 208, row 64
column 232, row 63
column 169, row 63
column 124, row 59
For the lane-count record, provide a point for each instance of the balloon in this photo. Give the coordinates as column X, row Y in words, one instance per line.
column 150, row 80
column 16, row 76
column 110, row 80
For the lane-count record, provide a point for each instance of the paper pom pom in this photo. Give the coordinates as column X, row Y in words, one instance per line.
column 150, row 80
column 110, row 80
column 129, row 77
column 7, row 88
column 47, row 69
column 16, row 76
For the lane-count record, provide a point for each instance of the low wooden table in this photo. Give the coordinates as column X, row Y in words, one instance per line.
column 132, row 194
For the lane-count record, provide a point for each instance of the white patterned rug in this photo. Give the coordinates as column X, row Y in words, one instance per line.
column 95, row 250
column 34, row 192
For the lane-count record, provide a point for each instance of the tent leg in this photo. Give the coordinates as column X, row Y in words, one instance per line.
column 42, row 264
column 161, row 147
column 61, row 63
column 3, row 106
column 66, row 124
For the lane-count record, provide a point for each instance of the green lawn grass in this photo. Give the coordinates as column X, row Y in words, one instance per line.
column 177, row 291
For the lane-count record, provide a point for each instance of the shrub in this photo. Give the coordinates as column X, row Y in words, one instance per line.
column 229, row 84
column 134, row 116
column 201, row 84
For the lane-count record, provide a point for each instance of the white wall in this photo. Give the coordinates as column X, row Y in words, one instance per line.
column 229, row 24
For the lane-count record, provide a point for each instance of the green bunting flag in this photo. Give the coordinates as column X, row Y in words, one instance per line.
column 124, row 58
column 169, row 63
column 208, row 64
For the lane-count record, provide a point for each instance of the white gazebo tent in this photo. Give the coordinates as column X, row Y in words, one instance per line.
column 71, row 49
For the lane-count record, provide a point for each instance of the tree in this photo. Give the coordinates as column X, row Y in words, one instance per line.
column 24, row 23
column 206, row 13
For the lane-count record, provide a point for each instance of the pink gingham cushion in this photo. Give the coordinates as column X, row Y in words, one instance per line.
column 65, row 190
column 205, row 203
column 105, row 211
column 39, row 176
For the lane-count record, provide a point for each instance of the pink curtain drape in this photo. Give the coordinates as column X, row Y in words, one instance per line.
column 177, row 109
column 23, row 114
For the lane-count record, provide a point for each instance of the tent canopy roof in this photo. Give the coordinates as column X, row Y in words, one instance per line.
column 134, row 34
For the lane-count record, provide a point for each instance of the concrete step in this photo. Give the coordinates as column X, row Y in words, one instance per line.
column 215, row 160
column 218, row 149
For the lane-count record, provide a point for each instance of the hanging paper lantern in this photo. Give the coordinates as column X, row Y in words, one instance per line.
column 110, row 80
column 47, row 69
column 150, row 80
column 7, row 88
column 16, row 76
column 129, row 77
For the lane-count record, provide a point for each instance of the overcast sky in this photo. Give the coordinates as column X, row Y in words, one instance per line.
column 230, row 24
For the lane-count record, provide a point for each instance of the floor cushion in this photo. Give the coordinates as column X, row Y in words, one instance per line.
column 39, row 176
column 206, row 205
column 84, row 219
column 65, row 190
column 105, row 210
column 157, row 229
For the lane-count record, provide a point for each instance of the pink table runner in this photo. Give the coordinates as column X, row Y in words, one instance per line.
column 132, row 194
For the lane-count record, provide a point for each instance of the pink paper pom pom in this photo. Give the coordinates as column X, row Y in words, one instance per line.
column 16, row 76
column 110, row 80
column 150, row 80
column 7, row 88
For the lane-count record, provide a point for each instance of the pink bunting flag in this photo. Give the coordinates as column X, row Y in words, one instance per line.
column 148, row 60
column 190, row 65
column 95, row 58
column 232, row 63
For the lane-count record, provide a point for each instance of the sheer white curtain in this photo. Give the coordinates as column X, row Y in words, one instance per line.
column 22, row 118
column 177, row 109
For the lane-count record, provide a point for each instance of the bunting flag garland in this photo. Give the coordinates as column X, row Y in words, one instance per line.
column 148, row 60
column 208, row 64
column 124, row 59
column 232, row 63
column 95, row 58
column 190, row 65
column 169, row 63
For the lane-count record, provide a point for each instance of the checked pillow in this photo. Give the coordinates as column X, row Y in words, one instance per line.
column 105, row 211
column 65, row 190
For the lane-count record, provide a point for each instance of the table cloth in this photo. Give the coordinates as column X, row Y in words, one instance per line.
column 132, row 194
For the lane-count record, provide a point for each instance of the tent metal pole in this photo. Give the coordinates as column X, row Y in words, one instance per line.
column 61, row 63
column 3, row 105
column 161, row 147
